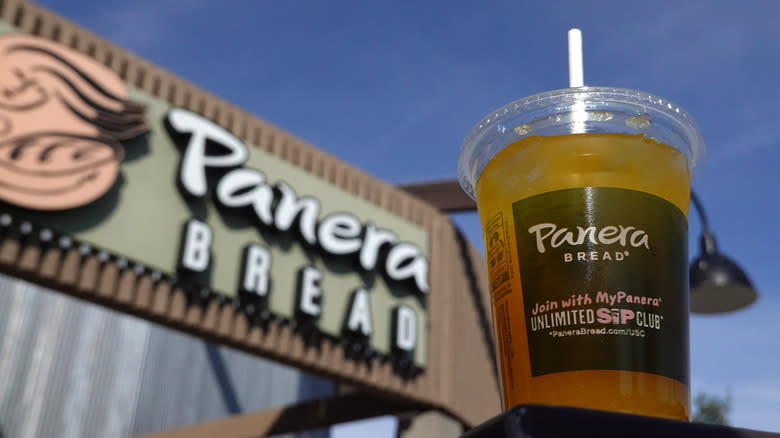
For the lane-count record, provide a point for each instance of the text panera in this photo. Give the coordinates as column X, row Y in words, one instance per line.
column 608, row 235
column 280, row 208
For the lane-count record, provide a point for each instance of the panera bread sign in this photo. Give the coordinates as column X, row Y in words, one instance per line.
column 195, row 205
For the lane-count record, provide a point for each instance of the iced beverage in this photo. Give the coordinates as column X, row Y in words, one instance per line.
column 583, row 197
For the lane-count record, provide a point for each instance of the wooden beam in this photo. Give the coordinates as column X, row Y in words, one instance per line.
column 447, row 196
column 309, row 415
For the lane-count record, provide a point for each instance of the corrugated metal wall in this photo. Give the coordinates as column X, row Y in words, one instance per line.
column 71, row 369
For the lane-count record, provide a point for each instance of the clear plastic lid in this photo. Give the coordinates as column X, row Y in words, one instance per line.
column 578, row 111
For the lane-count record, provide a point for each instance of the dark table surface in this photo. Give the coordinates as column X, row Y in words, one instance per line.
column 533, row 421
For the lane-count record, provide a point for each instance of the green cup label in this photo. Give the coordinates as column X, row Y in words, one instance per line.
column 605, row 281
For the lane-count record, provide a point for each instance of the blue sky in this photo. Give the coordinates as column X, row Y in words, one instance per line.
column 393, row 86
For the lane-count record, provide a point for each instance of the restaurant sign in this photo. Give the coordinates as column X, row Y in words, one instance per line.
column 168, row 191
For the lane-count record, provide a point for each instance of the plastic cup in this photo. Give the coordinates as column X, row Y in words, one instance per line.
column 583, row 196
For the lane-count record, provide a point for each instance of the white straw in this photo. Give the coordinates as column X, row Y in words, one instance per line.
column 575, row 58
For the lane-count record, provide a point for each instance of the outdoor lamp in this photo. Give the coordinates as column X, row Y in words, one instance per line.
column 718, row 285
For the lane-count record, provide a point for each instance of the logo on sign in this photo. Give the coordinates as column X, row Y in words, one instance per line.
column 62, row 118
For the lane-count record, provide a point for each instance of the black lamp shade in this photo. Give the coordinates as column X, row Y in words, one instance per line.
column 718, row 285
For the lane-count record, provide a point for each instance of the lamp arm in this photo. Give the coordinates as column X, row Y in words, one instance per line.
column 705, row 224
column 708, row 245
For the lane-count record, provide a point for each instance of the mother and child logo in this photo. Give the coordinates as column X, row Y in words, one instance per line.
column 63, row 116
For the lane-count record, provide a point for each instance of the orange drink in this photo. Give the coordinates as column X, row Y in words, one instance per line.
column 583, row 197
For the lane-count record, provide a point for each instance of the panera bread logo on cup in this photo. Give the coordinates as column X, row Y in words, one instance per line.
column 62, row 118
column 625, row 236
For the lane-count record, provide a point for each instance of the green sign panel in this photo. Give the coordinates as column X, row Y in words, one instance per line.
column 590, row 303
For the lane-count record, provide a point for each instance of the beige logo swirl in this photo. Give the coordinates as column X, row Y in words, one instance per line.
column 62, row 118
